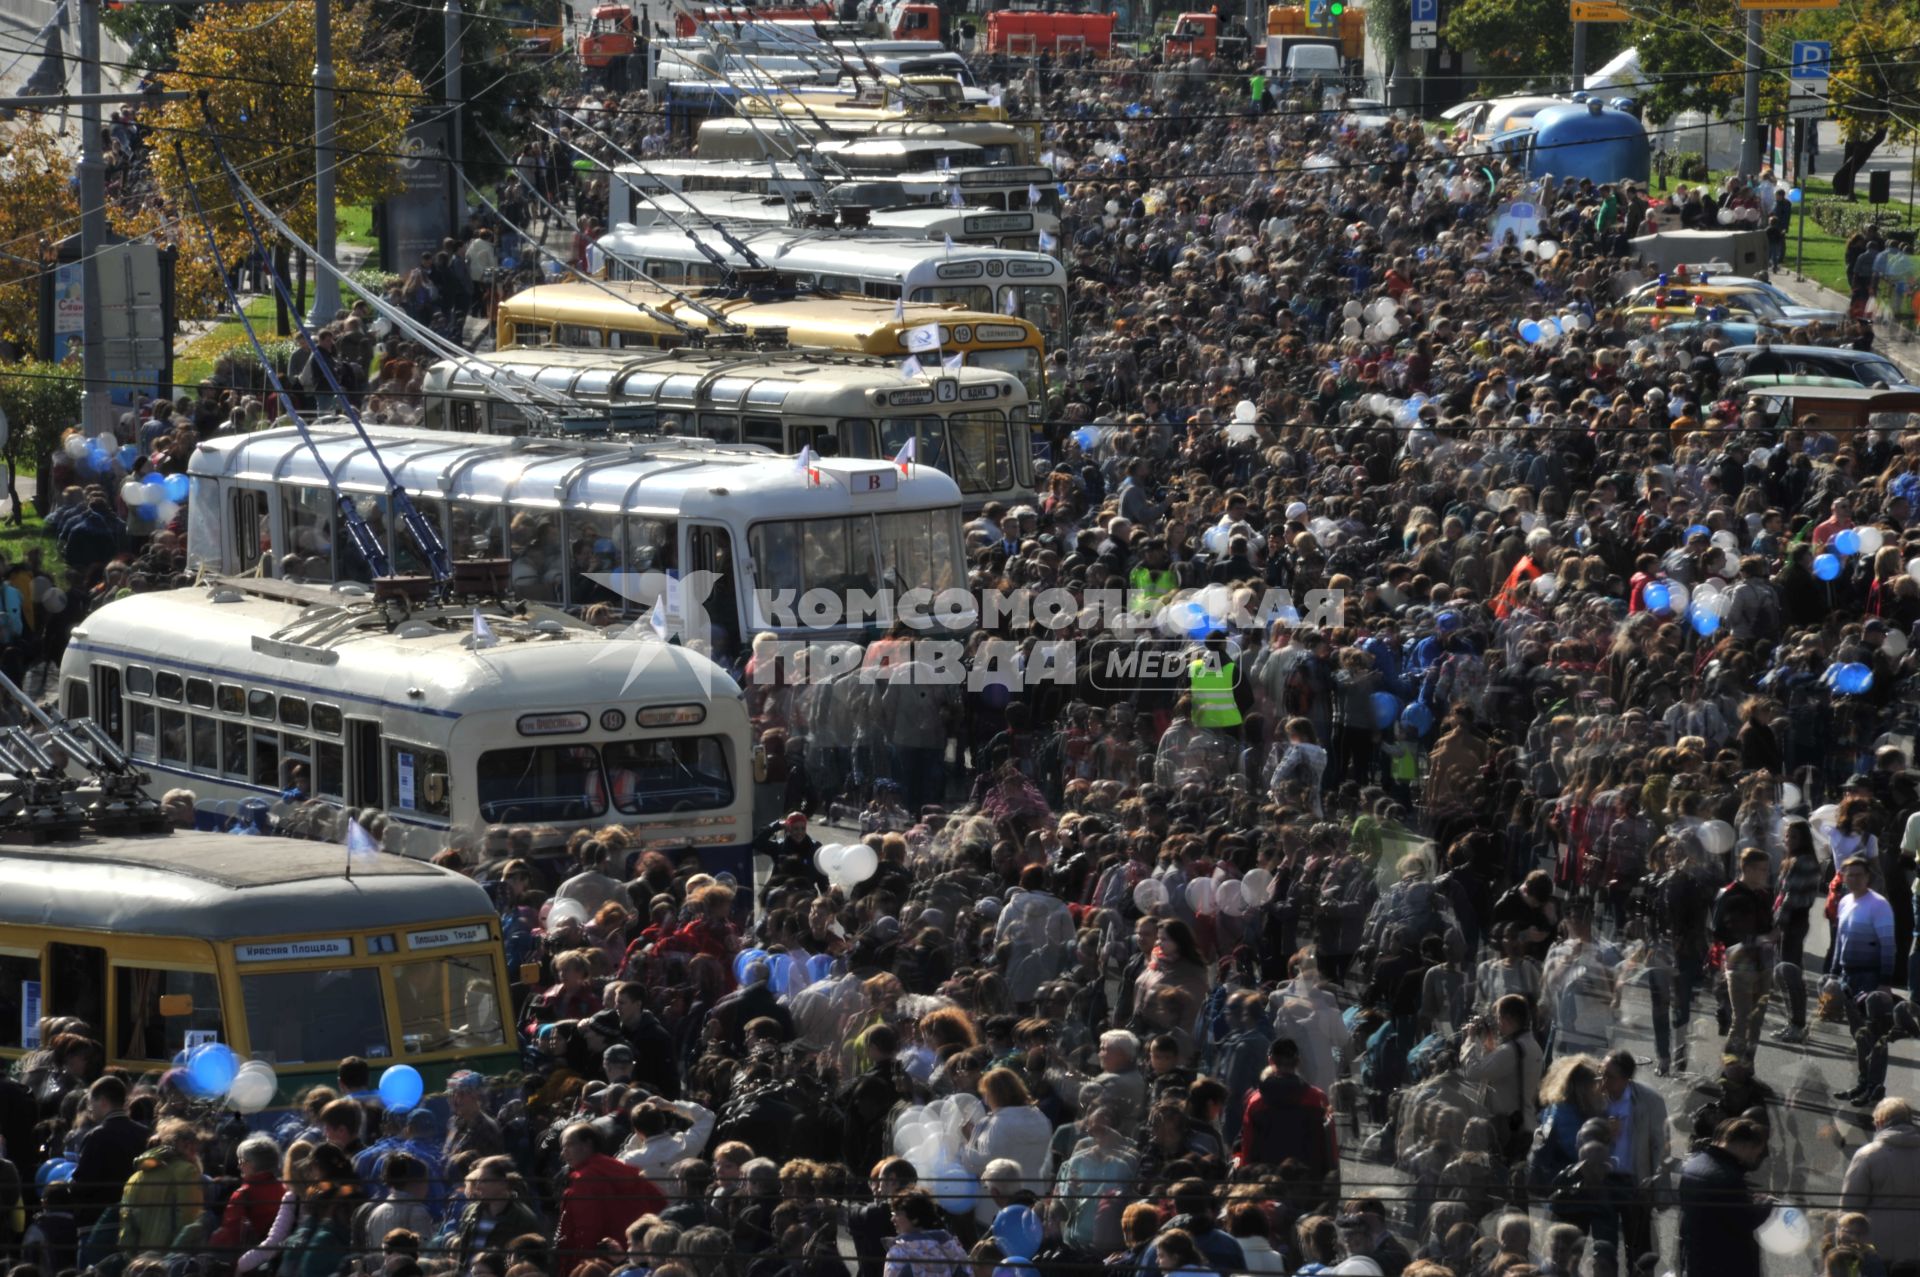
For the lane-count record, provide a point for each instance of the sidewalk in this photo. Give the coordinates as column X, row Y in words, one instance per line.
column 1893, row 340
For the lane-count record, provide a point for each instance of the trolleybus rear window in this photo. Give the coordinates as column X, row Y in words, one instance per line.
column 342, row 1013
column 447, row 1003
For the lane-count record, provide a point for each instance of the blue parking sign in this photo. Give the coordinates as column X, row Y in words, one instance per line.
column 1426, row 10
column 1812, row 59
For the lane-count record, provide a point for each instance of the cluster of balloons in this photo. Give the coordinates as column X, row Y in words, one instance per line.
column 930, row 1137
column 1018, row 1231
column 1707, row 607
column 846, row 865
column 156, row 497
column 784, row 975
column 1230, row 897
column 212, row 1071
column 100, row 457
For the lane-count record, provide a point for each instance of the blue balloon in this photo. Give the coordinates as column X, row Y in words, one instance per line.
column 1658, row 596
column 1826, row 567
column 1386, row 708
column 1700, row 529
column 744, row 959
column 1794, row 196
column 401, row 1088
column 57, row 1171
column 1086, row 437
column 1847, row 541
column 782, row 972
column 509, row 263
column 1704, row 622
column 128, row 455
column 1016, row 1268
column 211, row 1069
column 1417, row 718
column 154, row 479
column 1852, row 678
column 176, row 486
column 1018, row 1231
column 148, row 510
column 1447, row 622
column 820, row 967
column 1529, row 331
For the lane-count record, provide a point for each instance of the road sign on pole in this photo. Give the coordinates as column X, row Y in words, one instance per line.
column 1425, row 40
column 1600, row 11
column 1320, row 13
column 1812, row 60
column 1808, row 100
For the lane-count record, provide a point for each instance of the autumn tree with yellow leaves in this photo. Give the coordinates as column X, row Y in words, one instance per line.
column 254, row 66
column 37, row 210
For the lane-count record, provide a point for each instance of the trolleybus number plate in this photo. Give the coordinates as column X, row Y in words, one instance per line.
column 294, row 950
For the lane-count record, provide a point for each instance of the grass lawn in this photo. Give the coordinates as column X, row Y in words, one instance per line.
column 1822, row 256
column 353, row 224
column 15, row 542
column 193, row 361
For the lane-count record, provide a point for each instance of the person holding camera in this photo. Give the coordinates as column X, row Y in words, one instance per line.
column 1502, row 1055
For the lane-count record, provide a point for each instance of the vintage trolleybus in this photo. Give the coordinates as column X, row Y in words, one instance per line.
column 253, row 689
column 266, row 944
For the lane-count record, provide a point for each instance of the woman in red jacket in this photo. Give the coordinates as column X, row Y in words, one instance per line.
column 602, row 1197
column 711, row 932
column 250, row 1211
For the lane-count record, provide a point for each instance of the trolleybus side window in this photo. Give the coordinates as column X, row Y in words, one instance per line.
column 326, row 718
column 765, row 431
column 669, row 774
column 329, row 771
column 252, row 533
column 260, row 706
column 200, row 693
column 17, row 972
column 476, row 531
column 342, row 1012
column 293, row 711
column 231, row 698
column 580, row 335
column 107, row 707
column 233, row 750
column 525, row 334
column 173, row 737
column 75, row 698
column 406, row 555
column 446, row 1003
column 168, row 686
column 538, row 563
column 78, row 982
column 720, row 427
column 417, row 779
column 139, row 680
column 884, row 292
column 142, row 1029
column 204, row 732
column 309, row 517
column 145, row 741
column 540, row 782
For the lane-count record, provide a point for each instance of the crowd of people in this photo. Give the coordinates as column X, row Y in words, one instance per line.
column 1373, row 946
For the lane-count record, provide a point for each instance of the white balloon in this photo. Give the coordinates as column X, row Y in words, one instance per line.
column 1871, row 539
column 75, row 446
column 1790, row 796
column 133, row 492
column 1352, row 310
column 1717, row 836
column 1726, row 541
column 1546, row 585
column 1351, row 328
column 1389, row 326
column 251, row 1091
column 1786, row 1231
column 1244, row 411
column 1149, row 894
column 1241, row 432
column 1913, row 568
column 564, row 910
column 859, row 864
column 1894, row 644
column 1548, row 250
column 1200, row 895
column 1243, row 255
column 1257, row 884
column 1230, row 898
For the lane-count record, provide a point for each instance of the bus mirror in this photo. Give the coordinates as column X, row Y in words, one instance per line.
column 175, row 1005
column 529, row 973
column 436, row 788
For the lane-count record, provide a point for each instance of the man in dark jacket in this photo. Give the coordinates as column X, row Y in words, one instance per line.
column 752, row 1001
column 1718, row 1209
column 107, row 1151
column 1286, row 1118
column 652, row 1041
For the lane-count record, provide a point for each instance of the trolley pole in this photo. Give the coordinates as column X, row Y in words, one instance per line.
column 96, row 404
column 326, row 282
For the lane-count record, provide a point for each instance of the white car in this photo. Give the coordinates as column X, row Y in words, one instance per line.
column 1792, row 309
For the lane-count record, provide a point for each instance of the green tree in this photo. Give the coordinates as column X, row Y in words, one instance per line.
column 37, row 210
column 1875, row 83
column 1522, row 44
column 42, row 402
column 150, row 31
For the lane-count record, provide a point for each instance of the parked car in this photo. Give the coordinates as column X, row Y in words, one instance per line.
column 1862, row 367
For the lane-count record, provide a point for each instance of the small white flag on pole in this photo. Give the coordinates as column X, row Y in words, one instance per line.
column 924, row 338
column 944, row 163
column 953, row 198
column 1033, row 195
column 1011, row 305
column 904, row 457
column 804, row 464
column 1048, row 242
column 910, row 367
column 949, row 240
column 362, row 847
column 657, row 618
column 994, row 99
column 899, row 309
column 483, row 635
column 954, row 362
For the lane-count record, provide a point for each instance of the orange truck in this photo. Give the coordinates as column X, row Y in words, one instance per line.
column 1197, row 35
column 1027, row 32
column 1348, row 25
column 612, row 34
column 910, row 20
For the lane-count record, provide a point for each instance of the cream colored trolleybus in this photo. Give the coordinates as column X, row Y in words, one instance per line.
column 256, row 687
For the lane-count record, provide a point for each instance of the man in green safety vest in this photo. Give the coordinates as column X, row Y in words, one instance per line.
column 1152, row 580
column 1219, row 693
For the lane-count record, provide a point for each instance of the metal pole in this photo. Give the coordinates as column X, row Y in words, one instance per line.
column 450, row 33
column 96, row 405
column 326, row 284
column 1751, row 141
column 1579, row 56
column 1804, row 128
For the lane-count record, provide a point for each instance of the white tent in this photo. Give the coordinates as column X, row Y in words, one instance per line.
column 1623, row 72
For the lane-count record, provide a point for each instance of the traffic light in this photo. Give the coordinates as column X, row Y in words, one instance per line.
column 1336, row 8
